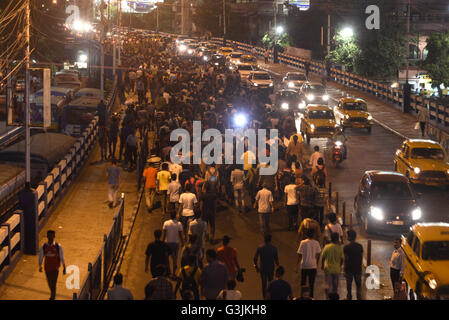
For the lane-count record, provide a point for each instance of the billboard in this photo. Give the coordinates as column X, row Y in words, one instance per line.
column 139, row 6
column 302, row 5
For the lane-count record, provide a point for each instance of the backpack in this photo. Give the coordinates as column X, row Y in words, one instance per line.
column 319, row 177
column 189, row 283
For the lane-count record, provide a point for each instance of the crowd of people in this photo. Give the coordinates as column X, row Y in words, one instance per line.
column 172, row 93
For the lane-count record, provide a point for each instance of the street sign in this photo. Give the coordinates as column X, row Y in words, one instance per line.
column 47, row 98
column 302, row 5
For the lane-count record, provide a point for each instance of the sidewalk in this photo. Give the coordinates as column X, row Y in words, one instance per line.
column 80, row 221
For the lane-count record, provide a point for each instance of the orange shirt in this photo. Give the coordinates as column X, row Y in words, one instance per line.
column 150, row 177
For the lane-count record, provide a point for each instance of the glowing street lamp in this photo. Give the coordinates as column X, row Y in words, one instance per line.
column 347, row 33
column 279, row 29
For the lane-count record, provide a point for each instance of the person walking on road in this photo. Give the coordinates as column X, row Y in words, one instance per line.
column 291, row 202
column 102, row 113
column 158, row 252
column 332, row 227
column 198, row 228
column 150, row 175
column 52, row 255
column 237, row 177
column 423, row 118
column 172, row 235
column 208, row 207
column 140, row 88
column 186, row 211
column 331, row 263
column 308, row 258
column 131, row 150
column 160, row 288
column 228, row 255
column 268, row 256
column 113, row 175
column 173, row 193
column 279, row 289
column 295, row 148
column 307, row 198
column 313, row 161
column 162, row 182
column 353, row 265
column 113, row 135
column 265, row 207
column 230, row 293
column 118, row 292
column 306, row 224
column 214, row 276
column 188, row 278
column 266, row 54
column 397, row 263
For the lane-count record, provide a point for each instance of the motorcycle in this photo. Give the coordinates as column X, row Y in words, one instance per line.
column 337, row 153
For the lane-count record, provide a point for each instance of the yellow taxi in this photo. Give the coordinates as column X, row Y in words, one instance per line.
column 226, row 51
column 426, row 250
column 318, row 121
column 423, row 162
column 248, row 59
column 353, row 112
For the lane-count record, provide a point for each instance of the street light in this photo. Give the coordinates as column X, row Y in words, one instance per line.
column 279, row 29
column 347, row 33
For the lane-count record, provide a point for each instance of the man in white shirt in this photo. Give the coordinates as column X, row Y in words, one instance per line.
column 397, row 263
column 264, row 205
column 173, row 193
column 186, row 210
column 237, row 177
column 308, row 257
column 175, row 168
column 313, row 162
column 230, row 293
column 291, row 202
column 172, row 234
column 198, row 227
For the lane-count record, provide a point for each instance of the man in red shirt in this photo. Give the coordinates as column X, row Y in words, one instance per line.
column 53, row 254
column 228, row 256
column 150, row 175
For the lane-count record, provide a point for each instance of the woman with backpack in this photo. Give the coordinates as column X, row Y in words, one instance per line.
column 188, row 279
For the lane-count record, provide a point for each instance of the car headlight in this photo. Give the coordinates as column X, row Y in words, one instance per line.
column 302, row 105
column 284, row 106
column 255, row 84
column 182, row 48
column 271, row 84
column 417, row 170
column 205, row 58
column 291, row 85
column 346, row 116
column 370, row 118
column 190, row 51
column 431, row 281
column 325, row 97
column 312, row 127
column 447, row 171
column 338, row 143
column 216, row 63
column 377, row 213
column 310, row 97
column 416, row 213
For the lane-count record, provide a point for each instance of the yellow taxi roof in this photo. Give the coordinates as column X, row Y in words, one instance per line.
column 436, row 231
column 344, row 100
column 247, row 56
column 423, row 143
column 319, row 107
column 226, row 48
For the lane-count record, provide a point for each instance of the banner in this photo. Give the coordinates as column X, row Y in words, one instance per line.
column 302, row 5
column 47, row 98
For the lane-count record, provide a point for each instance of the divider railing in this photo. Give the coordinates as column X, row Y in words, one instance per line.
column 11, row 243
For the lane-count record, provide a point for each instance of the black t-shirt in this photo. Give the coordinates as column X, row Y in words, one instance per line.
column 353, row 258
column 279, row 290
column 209, row 202
column 159, row 252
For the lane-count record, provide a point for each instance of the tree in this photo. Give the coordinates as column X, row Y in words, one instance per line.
column 346, row 52
column 437, row 61
column 283, row 40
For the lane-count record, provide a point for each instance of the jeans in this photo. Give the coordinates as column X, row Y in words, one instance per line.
column 52, row 279
column 292, row 211
column 112, row 193
column 331, row 282
column 131, row 156
column 112, row 147
column 358, row 284
column 238, row 198
column 423, row 127
column 311, row 274
column 264, row 220
column 395, row 276
column 266, row 278
column 149, row 198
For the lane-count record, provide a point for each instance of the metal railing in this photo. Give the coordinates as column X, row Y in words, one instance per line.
column 11, row 243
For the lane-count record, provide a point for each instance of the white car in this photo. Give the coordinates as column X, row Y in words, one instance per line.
column 234, row 57
column 260, row 80
column 294, row 80
column 244, row 70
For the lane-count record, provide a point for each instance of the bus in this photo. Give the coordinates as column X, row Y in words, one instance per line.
column 37, row 111
column 78, row 114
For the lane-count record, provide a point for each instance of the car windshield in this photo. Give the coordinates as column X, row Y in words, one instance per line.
column 236, row 55
column 286, row 94
column 245, row 68
column 427, row 153
column 435, row 250
column 226, row 50
column 262, row 76
column 360, row 106
column 299, row 77
column 384, row 190
column 317, row 89
column 321, row 114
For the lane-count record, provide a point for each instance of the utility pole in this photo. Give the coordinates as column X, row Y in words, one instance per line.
column 157, row 18
column 101, row 51
column 119, row 31
column 328, row 33
column 182, row 16
column 407, row 50
column 27, row 99
column 224, row 22
column 275, row 47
